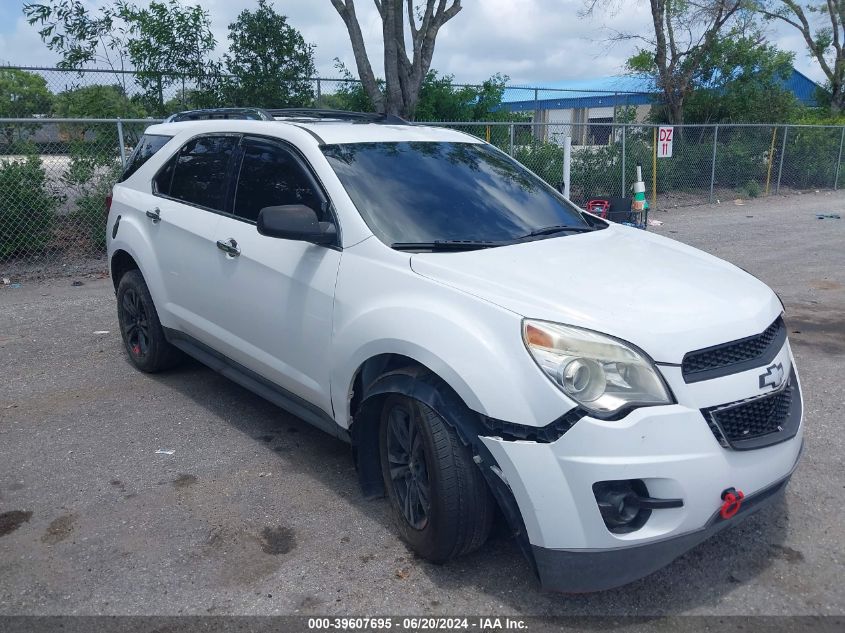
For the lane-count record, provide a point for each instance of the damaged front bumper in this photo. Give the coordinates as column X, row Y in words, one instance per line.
column 671, row 451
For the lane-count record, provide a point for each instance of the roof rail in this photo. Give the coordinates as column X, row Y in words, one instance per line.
column 253, row 114
column 302, row 114
column 342, row 115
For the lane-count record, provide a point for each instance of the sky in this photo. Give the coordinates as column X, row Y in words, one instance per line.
column 533, row 42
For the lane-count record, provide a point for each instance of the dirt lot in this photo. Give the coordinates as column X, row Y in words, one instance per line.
column 254, row 512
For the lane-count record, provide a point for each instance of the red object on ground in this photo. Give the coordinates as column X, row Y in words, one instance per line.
column 732, row 502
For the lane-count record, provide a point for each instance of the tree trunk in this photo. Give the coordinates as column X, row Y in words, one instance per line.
column 403, row 76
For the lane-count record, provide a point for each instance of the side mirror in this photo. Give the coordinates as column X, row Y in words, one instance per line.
column 295, row 222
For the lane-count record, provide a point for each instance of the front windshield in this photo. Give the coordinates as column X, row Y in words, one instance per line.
column 426, row 192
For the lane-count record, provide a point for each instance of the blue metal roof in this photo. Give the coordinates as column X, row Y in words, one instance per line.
column 628, row 90
column 804, row 88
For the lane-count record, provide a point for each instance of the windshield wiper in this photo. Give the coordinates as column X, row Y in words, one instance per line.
column 558, row 228
column 446, row 245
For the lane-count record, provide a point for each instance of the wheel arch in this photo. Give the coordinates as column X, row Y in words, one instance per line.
column 121, row 262
column 388, row 374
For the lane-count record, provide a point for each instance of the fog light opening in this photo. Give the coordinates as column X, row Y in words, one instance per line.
column 620, row 504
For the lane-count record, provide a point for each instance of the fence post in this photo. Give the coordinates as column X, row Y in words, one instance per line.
column 511, row 140
column 782, row 154
column 121, row 142
column 839, row 162
column 713, row 164
column 319, row 93
column 622, row 195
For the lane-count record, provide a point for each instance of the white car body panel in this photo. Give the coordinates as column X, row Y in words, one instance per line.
column 273, row 308
column 455, row 335
column 610, row 281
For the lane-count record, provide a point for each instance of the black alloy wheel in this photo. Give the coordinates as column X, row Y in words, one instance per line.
column 136, row 325
column 408, row 467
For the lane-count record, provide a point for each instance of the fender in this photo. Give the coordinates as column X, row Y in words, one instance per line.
column 422, row 384
column 136, row 242
column 473, row 345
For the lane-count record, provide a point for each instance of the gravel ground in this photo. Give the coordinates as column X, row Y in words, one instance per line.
column 254, row 512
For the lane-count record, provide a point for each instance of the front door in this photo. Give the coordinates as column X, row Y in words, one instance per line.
column 274, row 296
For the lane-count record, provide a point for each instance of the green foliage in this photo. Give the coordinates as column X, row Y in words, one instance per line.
column 89, row 210
column 80, row 36
column 97, row 101
column 23, row 94
column 642, row 62
column 26, row 207
column 741, row 81
column 269, row 61
column 162, row 41
column 167, row 40
column 440, row 99
column 752, row 189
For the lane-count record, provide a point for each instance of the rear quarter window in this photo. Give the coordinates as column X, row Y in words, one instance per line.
column 144, row 150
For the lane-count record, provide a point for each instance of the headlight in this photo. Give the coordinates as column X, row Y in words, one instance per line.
column 600, row 373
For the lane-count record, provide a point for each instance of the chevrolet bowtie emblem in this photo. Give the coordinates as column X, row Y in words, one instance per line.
column 773, row 377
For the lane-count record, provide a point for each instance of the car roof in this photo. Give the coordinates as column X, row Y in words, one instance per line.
column 325, row 132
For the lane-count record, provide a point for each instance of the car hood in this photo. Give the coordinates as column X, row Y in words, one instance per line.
column 663, row 296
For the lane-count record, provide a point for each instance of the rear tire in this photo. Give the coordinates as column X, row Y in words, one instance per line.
column 438, row 494
column 143, row 336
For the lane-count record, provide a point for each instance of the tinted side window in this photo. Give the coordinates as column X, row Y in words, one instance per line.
column 200, row 173
column 162, row 181
column 144, row 150
column 271, row 176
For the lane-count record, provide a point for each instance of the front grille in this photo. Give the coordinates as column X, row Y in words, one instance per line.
column 758, row 422
column 735, row 356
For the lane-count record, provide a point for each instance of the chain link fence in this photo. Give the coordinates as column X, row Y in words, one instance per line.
column 55, row 173
column 709, row 163
column 86, row 92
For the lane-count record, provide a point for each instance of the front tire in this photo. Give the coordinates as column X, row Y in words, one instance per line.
column 439, row 496
column 143, row 336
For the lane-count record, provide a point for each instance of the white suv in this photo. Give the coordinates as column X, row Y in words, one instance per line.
column 480, row 341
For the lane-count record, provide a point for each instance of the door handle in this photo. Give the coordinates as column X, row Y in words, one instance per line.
column 229, row 246
column 154, row 215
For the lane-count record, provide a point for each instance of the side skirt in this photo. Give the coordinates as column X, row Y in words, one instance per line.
column 257, row 384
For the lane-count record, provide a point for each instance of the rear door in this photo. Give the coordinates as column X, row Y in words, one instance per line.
column 274, row 297
column 190, row 196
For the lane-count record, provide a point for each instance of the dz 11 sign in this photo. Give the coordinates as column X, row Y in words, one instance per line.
column 664, row 141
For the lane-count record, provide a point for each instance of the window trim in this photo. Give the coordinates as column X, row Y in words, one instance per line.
column 303, row 163
column 229, row 169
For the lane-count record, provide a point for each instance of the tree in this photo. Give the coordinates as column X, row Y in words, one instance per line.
column 162, row 40
column 826, row 43
column 168, row 41
column 403, row 76
column 270, row 63
column 97, row 102
column 441, row 100
column 22, row 95
column 742, row 80
column 685, row 32
column 81, row 36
